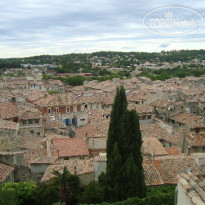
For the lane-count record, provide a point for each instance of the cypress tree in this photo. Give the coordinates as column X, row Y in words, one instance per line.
column 124, row 172
column 117, row 128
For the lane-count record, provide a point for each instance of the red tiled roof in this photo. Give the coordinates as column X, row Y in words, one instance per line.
column 89, row 129
column 172, row 150
column 30, row 114
column 197, row 140
column 79, row 166
column 169, row 167
column 154, row 130
column 70, row 147
column 186, row 118
column 151, row 145
column 8, row 110
column 5, row 170
column 5, row 124
column 57, row 100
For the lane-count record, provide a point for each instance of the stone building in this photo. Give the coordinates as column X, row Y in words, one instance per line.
column 8, row 135
column 30, row 123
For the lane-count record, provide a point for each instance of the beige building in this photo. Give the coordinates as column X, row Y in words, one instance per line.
column 30, row 123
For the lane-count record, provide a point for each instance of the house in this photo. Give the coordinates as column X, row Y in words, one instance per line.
column 145, row 113
column 40, row 164
column 60, row 103
column 8, row 135
column 184, row 120
column 90, row 102
column 190, row 189
column 163, row 132
column 55, row 85
column 95, row 139
column 69, row 148
column 30, row 123
column 54, row 123
column 192, row 142
column 6, row 173
column 151, row 146
column 160, row 107
column 9, row 111
column 84, row 168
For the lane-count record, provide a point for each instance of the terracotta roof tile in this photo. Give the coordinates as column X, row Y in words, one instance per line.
column 187, row 118
column 172, row 150
column 5, row 124
column 152, row 146
column 70, row 147
column 8, row 110
column 88, row 130
column 78, row 166
column 5, row 170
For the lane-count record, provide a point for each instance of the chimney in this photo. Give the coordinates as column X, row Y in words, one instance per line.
column 86, row 137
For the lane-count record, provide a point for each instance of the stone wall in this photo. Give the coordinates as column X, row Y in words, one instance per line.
column 23, row 173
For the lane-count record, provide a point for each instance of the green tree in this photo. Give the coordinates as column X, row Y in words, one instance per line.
column 25, row 192
column 124, row 172
column 8, row 197
column 47, row 194
column 93, row 194
column 68, row 186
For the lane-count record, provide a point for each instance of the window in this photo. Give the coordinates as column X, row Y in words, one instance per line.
column 30, row 121
column 149, row 116
column 144, row 117
column 182, row 107
column 38, row 134
column 86, row 107
column 24, row 122
column 82, row 120
column 49, row 110
column 56, row 110
column 37, row 121
column 91, row 106
column 197, row 130
column 67, row 110
column 32, row 132
column 74, row 109
column 97, row 106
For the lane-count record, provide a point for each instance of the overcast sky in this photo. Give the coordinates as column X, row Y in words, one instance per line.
column 36, row 27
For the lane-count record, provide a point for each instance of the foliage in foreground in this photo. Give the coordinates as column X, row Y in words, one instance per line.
column 48, row 194
column 163, row 195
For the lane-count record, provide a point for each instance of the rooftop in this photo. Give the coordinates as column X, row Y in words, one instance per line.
column 78, row 166
column 70, row 147
column 5, row 170
column 194, row 187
